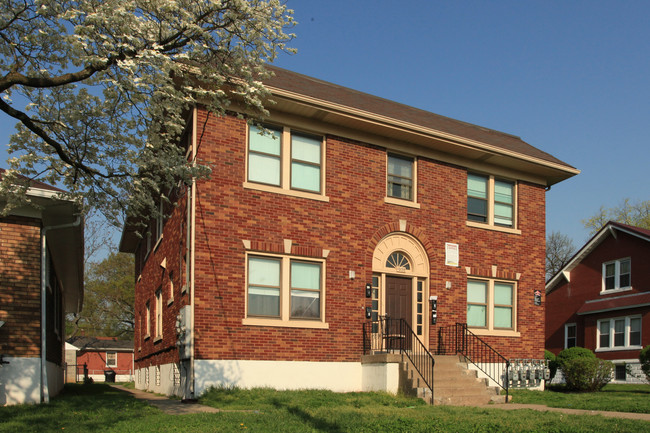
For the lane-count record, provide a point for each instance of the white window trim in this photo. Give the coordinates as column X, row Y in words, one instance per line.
column 611, row 347
column 566, row 333
column 111, row 365
column 617, row 276
column 285, row 168
column 170, row 276
column 285, row 295
column 489, row 225
column 413, row 202
column 489, row 330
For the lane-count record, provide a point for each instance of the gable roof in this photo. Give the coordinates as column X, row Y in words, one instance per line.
column 608, row 229
column 310, row 97
column 100, row 343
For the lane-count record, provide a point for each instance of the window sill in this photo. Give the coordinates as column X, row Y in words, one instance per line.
column 171, row 301
column 157, row 339
column 289, row 192
column 495, row 332
column 618, row 349
column 146, row 337
column 614, row 291
column 493, row 228
column 401, row 202
column 254, row 321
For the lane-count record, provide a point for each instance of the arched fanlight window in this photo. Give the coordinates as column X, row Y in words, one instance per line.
column 399, row 261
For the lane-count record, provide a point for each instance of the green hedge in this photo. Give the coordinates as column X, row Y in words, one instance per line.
column 585, row 374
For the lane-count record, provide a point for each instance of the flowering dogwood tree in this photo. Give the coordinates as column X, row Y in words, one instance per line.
column 101, row 89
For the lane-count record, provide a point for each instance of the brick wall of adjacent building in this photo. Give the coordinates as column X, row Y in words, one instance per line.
column 20, row 305
column 349, row 226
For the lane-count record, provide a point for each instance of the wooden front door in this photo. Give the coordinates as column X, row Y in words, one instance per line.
column 398, row 306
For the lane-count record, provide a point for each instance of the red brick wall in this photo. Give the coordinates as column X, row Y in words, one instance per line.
column 586, row 284
column 347, row 226
column 20, row 286
column 96, row 362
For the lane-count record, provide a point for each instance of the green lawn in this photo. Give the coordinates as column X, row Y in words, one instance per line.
column 99, row 408
column 613, row 397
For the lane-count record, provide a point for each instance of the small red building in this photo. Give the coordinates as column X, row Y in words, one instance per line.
column 101, row 358
column 601, row 299
column 350, row 208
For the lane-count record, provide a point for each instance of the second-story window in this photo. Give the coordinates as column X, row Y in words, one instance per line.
column 617, row 275
column 285, row 161
column 490, row 201
column 400, row 177
column 265, row 156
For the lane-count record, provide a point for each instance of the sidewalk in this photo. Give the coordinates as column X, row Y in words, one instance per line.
column 542, row 408
column 167, row 405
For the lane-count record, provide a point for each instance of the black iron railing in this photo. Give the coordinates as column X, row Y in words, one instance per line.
column 458, row 339
column 396, row 336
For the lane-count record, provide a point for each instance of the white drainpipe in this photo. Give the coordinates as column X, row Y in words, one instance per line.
column 45, row 393
column 192, row 255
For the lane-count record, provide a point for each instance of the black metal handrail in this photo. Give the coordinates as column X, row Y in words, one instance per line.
column 388, row 335
column 459, row 339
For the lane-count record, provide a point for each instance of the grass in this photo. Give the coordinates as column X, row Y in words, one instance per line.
column 99, row 408
column 613, row 397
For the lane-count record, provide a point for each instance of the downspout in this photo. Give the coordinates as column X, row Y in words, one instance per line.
column 45, row 394
column 192, row 255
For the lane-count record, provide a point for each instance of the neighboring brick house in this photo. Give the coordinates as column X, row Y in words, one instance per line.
column 41, row 279
column 601, row 299
column 95, row 356
column 258, row 277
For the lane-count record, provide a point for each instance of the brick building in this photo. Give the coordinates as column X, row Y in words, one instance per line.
column 601, row 299
column 260, row 275
column 41, row 279
column 95, row 356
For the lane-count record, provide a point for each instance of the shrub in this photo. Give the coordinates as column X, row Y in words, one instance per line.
column 551, row 361
column 586, row 373
column 644, row 357
column 573, row 353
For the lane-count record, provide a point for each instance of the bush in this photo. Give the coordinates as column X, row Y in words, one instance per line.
column 584, row 373
column 644, row 357
column 551, row 361
column 573, row 353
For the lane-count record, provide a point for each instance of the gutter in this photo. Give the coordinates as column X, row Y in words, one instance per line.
column 45, row 394
column 192, row 254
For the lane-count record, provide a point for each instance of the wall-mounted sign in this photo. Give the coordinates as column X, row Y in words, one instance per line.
column 451, row 254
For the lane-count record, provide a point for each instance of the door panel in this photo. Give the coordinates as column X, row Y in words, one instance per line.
column 398, row 306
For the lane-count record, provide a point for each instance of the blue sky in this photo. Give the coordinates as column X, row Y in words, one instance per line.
column 569, row 77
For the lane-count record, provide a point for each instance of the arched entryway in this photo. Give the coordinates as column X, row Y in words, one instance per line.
column 400, row 281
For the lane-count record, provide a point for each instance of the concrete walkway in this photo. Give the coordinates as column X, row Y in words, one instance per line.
column 167, row 405
column 542, row 408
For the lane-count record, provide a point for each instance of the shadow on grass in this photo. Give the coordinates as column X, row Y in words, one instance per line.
column 77, row 408
column 320, row 424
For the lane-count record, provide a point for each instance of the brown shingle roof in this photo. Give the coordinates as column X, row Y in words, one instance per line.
column 35, row 183
column 333, row 93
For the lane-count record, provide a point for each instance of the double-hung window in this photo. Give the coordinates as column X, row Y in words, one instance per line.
column 111, row 359
column 285, row 161
column 570, row 335
column 284, row 288
column 159, row 313
column 619, row 333
column 490, row 201
column 400, row 177
column 617, row 275
column 491, row 305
